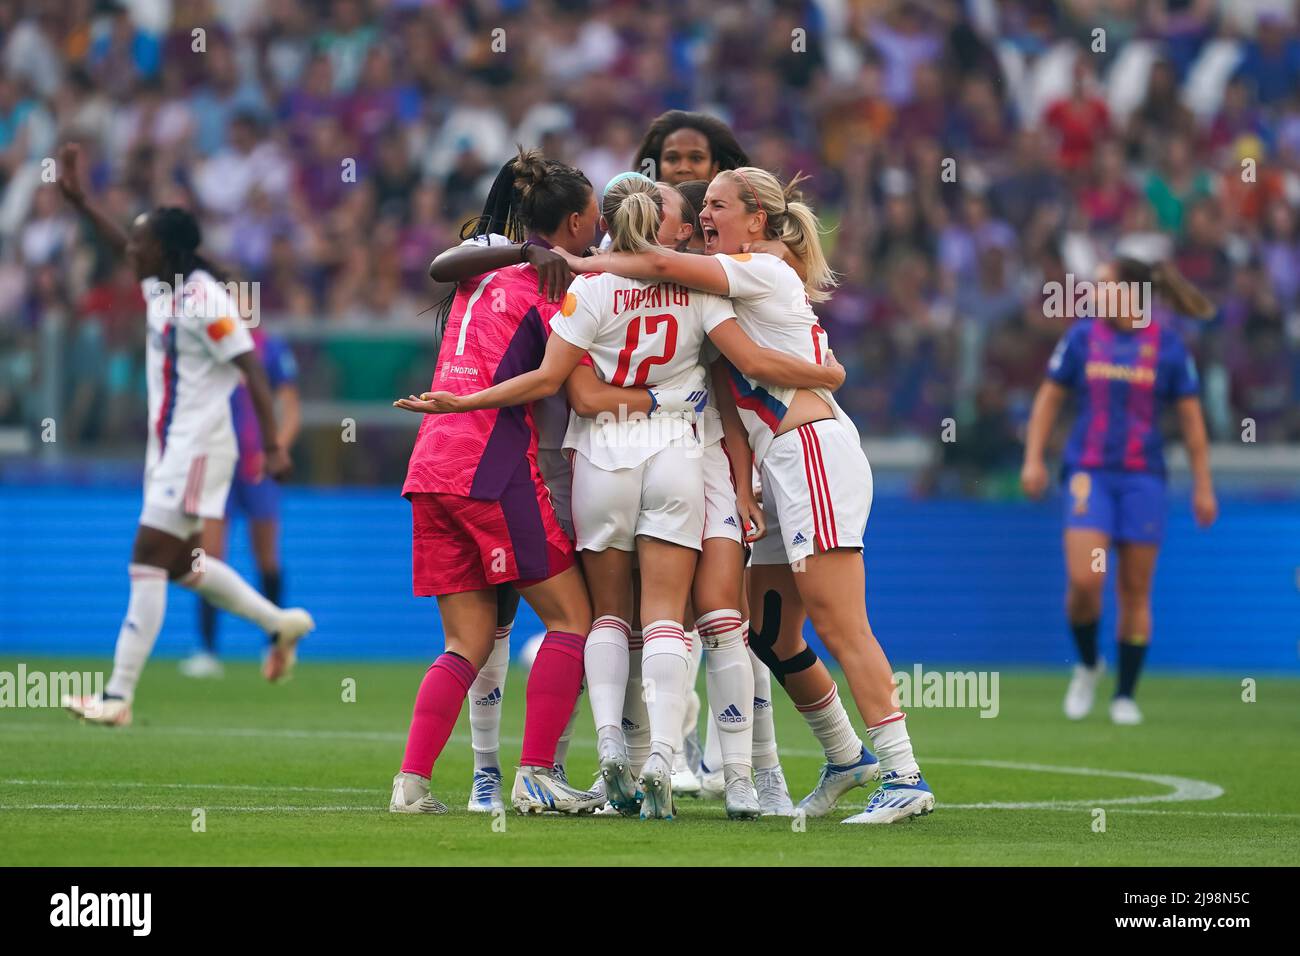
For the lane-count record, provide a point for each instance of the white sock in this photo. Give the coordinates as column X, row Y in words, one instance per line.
column 892, row 745
column 730, row 680
column 605, row 661
column 665, row 662
column 691, row 719
column 224, row 588
column 140, row 627
column 562, row 745
column 712, row 746
column 636, row 719
column 485, row 696
column 765, row 755
column 829, row 723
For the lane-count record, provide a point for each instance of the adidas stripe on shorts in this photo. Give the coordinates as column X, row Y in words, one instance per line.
column 180, row 491
column 721, row 520
column 817, row 490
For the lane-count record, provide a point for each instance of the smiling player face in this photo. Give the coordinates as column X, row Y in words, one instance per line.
column 685, row 156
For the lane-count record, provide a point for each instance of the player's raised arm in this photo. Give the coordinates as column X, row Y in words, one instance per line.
column 665, row 265
column 472, row 259
column 560, row 360
column 69, row 183
column 767, row 365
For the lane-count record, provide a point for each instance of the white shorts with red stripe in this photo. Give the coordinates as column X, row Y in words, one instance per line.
column 721, row 519
column 817, row 490
column 179, row 494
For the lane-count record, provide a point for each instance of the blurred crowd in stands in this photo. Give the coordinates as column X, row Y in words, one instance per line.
column 963, row 153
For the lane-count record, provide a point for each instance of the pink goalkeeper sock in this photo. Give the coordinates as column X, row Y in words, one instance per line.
column 437, row 705
column 553, row 686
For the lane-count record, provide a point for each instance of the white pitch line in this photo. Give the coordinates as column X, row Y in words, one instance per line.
column 159, row 808
column 253, row 788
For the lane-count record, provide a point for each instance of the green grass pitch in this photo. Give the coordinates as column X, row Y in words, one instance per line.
column 294, row 775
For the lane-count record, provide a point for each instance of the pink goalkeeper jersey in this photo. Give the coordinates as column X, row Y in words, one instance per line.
column 495, row 331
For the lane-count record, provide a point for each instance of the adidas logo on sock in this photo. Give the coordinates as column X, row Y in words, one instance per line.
column 491, row 699
column 760, row 703
column 798, row 538
column 731, row 715
column 628, row 725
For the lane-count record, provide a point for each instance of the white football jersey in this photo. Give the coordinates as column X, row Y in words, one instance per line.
column 772, row 308
column 192, row 337
column 639, row 334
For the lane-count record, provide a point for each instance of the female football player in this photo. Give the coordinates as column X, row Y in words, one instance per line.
column 483, row 515
column 679, row 146
column 638, row 484
column 816, row 485
column 196, row 350
column 1124, row 369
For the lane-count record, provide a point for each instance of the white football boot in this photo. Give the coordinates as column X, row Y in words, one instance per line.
column 1082, row 690
column 712, row 784
column 1124, row 712
column 837, row 780
column 741, row 798
column 94, row 709
column 773, row 792
column 485, row 791
column 620, row 787
column 685, row 783
column 540, row 790
column 202, row 666
column 295, row 624
column 899, row 797
column 656, row 785
column 411, row 795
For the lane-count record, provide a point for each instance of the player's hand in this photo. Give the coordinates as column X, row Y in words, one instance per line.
column 751, row 518
column 836, row 369
column 430, row 403
column 1205, row 506
column 1033, row 478
column 553, row 274
column 275, row 462
column 577, row 264
column 69, row 180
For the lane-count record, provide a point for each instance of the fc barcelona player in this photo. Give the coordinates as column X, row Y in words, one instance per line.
column 1123, row 369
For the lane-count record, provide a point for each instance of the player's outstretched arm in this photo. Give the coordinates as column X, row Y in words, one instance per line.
column 684, row 268
column 589, row 396
column 544, row 381
column 69, row 183
column 768, row 365
column 1047, row 405
column 471, row 259
column 1204, row 505
column 259, row 390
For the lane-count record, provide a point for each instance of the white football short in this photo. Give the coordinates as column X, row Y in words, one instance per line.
column 180, row 493
column 557, row 472
column 721, row 520
column 817, row 490
column 663, row 497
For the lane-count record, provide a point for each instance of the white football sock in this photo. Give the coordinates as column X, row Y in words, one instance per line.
column 691, row 719
column 224, row 588
column 485, row 696
column 712, row 747
column 765, row 755
column 140, row 627
column 636, row 719
column 892, row 745
column 665, row 662
column 605, row 661
column 730, row 680
column 829, row 723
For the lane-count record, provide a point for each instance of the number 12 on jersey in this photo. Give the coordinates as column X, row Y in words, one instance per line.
column 643, row 349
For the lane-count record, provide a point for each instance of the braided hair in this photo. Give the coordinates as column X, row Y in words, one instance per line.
column 178, row 233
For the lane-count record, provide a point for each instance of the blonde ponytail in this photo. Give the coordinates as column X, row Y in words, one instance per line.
column 633, row 209
column 790, row 220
